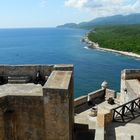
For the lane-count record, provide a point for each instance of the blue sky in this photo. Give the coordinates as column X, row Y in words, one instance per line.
column 49, row 13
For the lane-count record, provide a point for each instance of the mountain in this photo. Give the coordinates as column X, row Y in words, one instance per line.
column 68, row 25
column 110, row 20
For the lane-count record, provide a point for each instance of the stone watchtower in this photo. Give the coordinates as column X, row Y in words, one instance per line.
column 36, row 102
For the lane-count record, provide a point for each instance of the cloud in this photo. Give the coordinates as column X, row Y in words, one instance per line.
column 43, row 3
column 106, row 7
column 76, row 3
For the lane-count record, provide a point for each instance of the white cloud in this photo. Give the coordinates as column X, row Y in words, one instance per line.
column 43, row 3
column 106, row 7
column 76, row 3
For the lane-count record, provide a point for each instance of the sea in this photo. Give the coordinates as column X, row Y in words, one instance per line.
column 64, row 46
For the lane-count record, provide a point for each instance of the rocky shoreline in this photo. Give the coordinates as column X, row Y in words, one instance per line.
column 93, row 45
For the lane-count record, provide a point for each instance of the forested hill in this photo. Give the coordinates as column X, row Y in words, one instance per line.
column 110, row 20
column 122, row 37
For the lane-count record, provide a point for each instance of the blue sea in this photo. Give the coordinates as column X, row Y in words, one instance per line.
column 63, row 46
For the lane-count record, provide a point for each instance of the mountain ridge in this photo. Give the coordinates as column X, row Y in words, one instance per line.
column 109, row 20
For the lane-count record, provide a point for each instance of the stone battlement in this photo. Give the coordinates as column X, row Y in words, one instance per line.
column 130, row 74
column 30, row 71
column 30, row 110
column 130, row 85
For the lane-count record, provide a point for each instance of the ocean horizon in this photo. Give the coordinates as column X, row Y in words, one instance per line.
column 63, row 46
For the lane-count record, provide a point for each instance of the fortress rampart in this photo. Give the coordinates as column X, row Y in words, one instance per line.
column 30, row 110
column 130, row 84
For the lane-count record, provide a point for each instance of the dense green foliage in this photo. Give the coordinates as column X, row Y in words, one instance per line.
column 123, row 37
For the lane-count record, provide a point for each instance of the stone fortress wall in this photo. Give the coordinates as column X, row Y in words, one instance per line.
column 43, row 109
column 130, row 84
column 31, row 111
column 130, row 89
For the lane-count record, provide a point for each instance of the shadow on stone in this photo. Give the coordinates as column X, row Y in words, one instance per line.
column 82, row 132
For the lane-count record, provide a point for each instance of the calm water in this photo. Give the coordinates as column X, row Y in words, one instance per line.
column 54, row 46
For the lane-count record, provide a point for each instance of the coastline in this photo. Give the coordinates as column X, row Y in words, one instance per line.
column 93, row 45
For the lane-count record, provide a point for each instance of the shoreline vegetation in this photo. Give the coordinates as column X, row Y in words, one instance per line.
column 89, row 40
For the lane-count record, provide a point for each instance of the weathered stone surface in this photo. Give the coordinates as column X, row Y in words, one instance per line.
column 25, row 70
column 58, row 105
column 33, row 112
column 21, row 90
column 63, row 67
column 2, row 132
column 130, row 85
column 59, row 80
column 130, row 74
column 24, row 118
column 56, row 117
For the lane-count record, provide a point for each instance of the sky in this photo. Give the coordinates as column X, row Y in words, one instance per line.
column 50, row 13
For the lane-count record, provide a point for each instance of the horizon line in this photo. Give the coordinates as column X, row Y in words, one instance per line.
column 26, row 27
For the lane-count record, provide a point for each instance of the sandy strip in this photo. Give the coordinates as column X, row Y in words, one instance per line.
column 93, row 45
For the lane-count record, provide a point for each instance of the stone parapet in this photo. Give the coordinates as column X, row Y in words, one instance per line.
column 58, row 106
column 62, row 67
column 129, row 84
column 79, row 101
column 130, row 74
column 110, row 94
column 97, row 94
column 31, row 70
column 91, row 96
column 35, row 111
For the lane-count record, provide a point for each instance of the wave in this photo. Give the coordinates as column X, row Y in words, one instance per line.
column 86, row 47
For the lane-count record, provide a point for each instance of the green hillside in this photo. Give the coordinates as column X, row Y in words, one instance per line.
column 119, row 37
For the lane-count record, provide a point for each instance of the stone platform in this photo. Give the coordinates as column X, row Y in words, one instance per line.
column 29, row 89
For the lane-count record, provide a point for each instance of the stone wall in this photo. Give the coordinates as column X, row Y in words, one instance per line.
column 58, row 106
column 48, row 116
column 80, row 100
column 2, row 126
column 130, row 74
column 31, row 70
column 91, row 96
column 127, row 92
column 110, row 94
column 81, row 103
column 24, row 118
column 104, row 117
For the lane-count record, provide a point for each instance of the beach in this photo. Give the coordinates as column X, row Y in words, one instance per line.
column 93, row 45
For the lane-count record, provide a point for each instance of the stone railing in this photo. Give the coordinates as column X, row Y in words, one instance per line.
column 92, row 95
column 81, row 103
column 30, row 70
column 130, row 74
column 80, row 100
